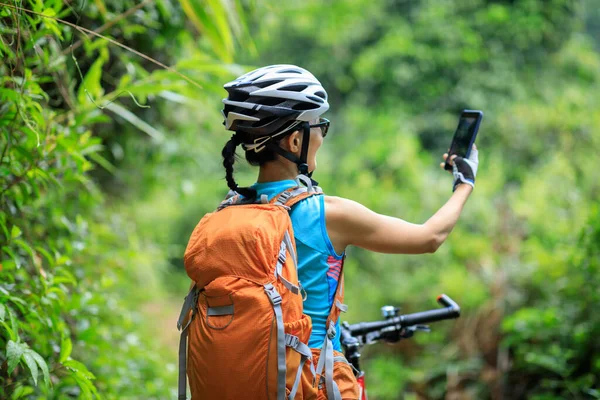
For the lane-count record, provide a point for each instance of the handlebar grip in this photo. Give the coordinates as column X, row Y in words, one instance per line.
column 451, row 310
column 446, row 301
column 426, row 317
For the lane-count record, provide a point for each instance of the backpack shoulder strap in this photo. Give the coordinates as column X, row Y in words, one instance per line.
column 292, row 196
column 188, row 312
column 234, row 199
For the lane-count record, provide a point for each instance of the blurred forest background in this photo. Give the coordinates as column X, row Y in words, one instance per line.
column 108, row 160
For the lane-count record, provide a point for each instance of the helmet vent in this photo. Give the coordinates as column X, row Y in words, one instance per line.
column 266, row 101
column 290, row 71
column 320, row 94
column 263, row 85
column 293, row 88
column 314, row 98
column 305, row 106
column 238, row 96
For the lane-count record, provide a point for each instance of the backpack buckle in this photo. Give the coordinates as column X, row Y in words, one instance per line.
column 282, row 256
column 273, row 294
column 291, row 341
column 331, row 331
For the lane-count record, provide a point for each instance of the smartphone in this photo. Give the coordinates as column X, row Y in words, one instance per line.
column 465, row 135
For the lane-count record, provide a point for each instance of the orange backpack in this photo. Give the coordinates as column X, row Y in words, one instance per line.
column 247, row 331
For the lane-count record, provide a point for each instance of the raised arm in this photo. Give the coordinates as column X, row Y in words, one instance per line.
column 350, row 223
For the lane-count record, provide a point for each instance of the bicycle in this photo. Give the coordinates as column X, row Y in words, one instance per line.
column 392, row 329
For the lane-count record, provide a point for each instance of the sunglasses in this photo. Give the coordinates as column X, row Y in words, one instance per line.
column 323, row 124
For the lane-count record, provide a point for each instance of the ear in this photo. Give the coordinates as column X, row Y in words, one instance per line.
column 293, row 142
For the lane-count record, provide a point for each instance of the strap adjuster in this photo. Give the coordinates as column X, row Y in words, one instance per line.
column 291, row 341
column 331, row 331
column 281, row 257
column 273, row 294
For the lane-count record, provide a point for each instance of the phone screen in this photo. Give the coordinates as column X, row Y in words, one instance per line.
column 464, row 134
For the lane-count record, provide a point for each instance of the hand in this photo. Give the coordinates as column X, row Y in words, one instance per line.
column 463, row 169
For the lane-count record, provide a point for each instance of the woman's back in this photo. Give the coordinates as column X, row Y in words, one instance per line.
column 318, row 264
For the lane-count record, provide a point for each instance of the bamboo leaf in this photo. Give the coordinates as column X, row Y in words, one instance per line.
column 101, row 7
column 211, row 25
column 103, row 162
column 91, row 88
column 135, row 121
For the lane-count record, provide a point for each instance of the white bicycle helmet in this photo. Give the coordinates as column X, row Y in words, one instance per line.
column 273, row 100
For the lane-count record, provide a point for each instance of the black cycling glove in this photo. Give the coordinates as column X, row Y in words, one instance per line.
column 465, row 169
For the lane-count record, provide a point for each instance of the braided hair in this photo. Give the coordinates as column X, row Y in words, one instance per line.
column 229, row 156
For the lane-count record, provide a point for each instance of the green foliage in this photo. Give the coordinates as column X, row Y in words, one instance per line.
column 554, row 338
column 78, row 283
column 107, row 161
column 398, row 74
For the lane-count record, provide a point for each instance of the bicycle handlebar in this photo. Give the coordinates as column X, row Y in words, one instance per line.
column 450, row 310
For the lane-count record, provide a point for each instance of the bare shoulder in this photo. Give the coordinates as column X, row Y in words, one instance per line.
column 338, row 208
column 345, row 219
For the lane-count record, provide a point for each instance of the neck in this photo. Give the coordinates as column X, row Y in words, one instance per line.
column 278, row 170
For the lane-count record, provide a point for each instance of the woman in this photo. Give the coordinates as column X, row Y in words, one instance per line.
column 275, row 112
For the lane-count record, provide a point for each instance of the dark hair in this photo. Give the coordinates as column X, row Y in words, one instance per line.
column 256, row 159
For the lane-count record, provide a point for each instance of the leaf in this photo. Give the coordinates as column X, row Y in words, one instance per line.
column 209, row 18
column 22, row 244
column 83, row 378
column 66, row 346
column 135, row 121
column 91, row 85
column 46, row 255
column 18, row 301
column 103, row 162
column 77, row 366
column 15, row 258
column 14, row 351
column 13, row 324
column 15, row 232
column 11, row 334
column 84, row 384
column 21, row 391
column 2, row 312
column 101, row 7
column 4, row 229
column 31, row 364
column 42, row 364
column 64, row 276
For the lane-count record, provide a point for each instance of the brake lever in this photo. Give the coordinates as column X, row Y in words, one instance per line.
column 409, row 331
column 372, row 337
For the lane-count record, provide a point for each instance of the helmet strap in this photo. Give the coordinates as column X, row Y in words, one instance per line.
column 303, row 165
column 301, row 161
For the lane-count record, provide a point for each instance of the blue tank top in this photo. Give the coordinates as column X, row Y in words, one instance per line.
column 319, row 266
